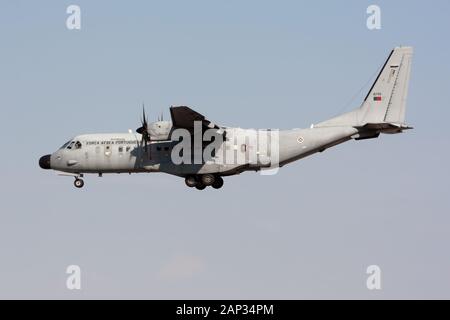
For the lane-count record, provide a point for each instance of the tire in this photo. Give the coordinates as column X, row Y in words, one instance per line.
column 218, row 183
column 200, row 186
column 190, row 181
column 78, row 183
column 208, row 179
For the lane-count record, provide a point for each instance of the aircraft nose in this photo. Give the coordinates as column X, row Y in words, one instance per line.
column 44, row 162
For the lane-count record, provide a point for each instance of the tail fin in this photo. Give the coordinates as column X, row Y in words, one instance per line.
column 386, row 100
column 385, row 103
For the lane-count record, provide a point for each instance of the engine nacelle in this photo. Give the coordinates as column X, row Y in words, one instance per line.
column 160, row 130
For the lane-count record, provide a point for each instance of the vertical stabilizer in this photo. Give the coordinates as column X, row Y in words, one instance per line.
column 386, row 100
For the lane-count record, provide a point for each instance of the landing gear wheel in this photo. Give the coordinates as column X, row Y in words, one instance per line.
column 200, row 186
column 208, row 179
column 190, row 181
column 78, row 183
column 218, row 183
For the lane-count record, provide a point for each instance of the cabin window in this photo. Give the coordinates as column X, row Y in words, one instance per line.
column 107, row 151
column 166, row 148
column 120, row 149
column 128, row 149
column 78, row 145
column 158, row 148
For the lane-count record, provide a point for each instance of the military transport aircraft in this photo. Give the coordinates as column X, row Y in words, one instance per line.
column 170, row 146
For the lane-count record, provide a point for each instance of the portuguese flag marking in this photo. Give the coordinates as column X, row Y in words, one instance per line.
column 377, row 98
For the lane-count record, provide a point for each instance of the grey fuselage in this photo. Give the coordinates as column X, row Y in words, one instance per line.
column 124, row 153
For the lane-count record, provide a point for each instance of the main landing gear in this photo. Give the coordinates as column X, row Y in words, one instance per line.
column 200, row 182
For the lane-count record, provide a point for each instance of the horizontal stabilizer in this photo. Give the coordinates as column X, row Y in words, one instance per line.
column 385, row 127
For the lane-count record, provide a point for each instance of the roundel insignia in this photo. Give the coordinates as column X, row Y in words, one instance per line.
column 300, row 140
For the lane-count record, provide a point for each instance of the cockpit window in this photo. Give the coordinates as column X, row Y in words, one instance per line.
column 65, row 145
column 71, row 145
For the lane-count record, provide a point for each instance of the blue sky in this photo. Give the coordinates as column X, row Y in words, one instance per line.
column 308, row 232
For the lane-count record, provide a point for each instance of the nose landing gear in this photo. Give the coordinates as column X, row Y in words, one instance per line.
column 79, row 183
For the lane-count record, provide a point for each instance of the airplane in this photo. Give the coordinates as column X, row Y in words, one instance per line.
column 154, row 147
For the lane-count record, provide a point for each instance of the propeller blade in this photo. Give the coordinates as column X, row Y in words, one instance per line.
column 143, row 130
column 144, row 121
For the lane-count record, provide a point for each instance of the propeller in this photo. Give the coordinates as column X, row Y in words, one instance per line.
column 143, row 130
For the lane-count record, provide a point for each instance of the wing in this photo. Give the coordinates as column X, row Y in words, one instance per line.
column 184, row 117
